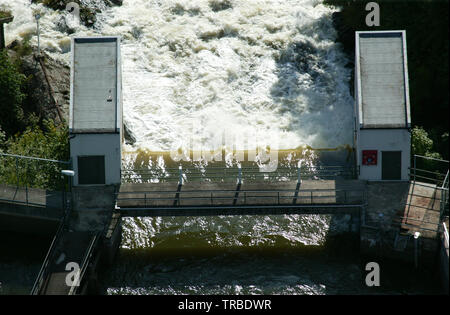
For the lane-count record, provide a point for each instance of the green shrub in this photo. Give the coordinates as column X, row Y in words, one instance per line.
column 11, row 95
column 49, row 142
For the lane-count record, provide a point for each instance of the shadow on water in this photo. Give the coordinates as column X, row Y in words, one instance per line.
column 189, row 267
column 332, row 268
column 21, row 257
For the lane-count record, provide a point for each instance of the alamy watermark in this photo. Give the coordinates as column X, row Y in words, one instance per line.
column 72, row 15
column 227, row 146
column 73, row 277
column 373, row 18
column 373, row 277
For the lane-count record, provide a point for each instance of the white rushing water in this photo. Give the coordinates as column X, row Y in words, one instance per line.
column 202, row 69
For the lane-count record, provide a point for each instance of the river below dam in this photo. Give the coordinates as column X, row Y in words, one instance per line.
column 225, row 255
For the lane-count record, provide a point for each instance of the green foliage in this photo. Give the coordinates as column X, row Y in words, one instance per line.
column 11, row 95
column 50, row 142
column 421, row 144
column 23, row 49
column 2, row 140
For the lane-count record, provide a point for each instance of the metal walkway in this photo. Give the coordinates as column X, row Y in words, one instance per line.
column 57, row 276
column 207, row 198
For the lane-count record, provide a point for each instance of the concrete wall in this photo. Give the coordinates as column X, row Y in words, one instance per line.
column 383, row 140
column 108, row 144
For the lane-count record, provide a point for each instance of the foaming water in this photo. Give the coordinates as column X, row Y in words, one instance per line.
column 195, row 71
column 224, row 231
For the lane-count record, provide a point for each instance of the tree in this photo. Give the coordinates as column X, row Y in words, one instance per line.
column 50, row 142
column 421, row 144
column 11, row 96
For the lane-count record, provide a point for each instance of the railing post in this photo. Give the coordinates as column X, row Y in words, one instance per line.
column 299, row 165
column 17, row 171
column 180, row 172
column 26, row 181
column 239, row 175
column 414, row 167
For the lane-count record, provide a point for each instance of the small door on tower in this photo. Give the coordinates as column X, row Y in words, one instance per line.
column 391, row 165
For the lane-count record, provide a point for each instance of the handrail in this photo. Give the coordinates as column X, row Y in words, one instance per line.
column 445, row 232
column 38, row 283
column 34, row 158
column 257, row 167
column 318, row 195
column 233, row 190
column 227, row 173
column 430, row 158
column 85, row 261
column 445, row 183
column 43, row 271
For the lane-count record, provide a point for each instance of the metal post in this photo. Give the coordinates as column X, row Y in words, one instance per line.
column 26, row 180
column 299, row 165
column 17, row 172
column 239, row 175
column 416, row 259
column 180, row 173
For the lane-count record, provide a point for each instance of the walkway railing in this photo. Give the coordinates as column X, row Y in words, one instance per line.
column 25, row 180
column 429, row 170
column 432, row 171
column 149, row 199
column 224, row 174
column 86, row 261
column 445, row 236
column 45, row 268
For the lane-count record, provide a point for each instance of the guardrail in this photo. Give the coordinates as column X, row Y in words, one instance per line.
column 429, row 170
column 239, row 197
column 31, row 172
column 86, row 261
column 44, row 271
column 26, row 180
column 445, row 236
column 224, row 174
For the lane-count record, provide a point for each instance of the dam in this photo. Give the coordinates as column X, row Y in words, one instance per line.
column 388, row 206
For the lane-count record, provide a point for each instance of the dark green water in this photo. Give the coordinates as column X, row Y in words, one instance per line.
column 294, row 254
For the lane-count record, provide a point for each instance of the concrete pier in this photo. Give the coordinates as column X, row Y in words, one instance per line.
column 395, row 212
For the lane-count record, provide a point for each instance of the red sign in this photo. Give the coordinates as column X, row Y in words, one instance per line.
column 369, row 157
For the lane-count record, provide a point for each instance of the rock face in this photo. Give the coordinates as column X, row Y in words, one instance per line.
column 48, row 88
